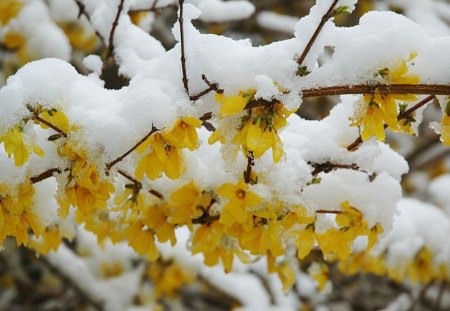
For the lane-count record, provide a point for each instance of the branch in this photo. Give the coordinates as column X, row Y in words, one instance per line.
column 153, row 8
column 139, row 185
column 97, row 304
column 113, row 29
column 319, row 28
column 250, row 164
column 183, row 54
column 47, row 174
column 123, row 156
column 328, row 166
column 418, row 89
column 211, row 87
column 50, row 125
column 82, row 11
column 321, row 211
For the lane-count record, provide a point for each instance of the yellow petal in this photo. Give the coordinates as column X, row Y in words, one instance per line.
column 232, row 105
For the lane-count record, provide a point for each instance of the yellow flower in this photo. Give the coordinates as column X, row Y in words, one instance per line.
column 57, row 118
column 183, row 134
column 86, row 190
column 155, row 217
column 231, row 105
column 9, row 9
column 14, row 40
column 239, row 199
column 79, row 37
column 421, row 269
column 14, row 144
column 16, row 217
column 50, row 240
column 168, row 277
column 320, row 273
column 286, row 273
column 259, row 131
column 163, row 158
column 142, row 241
column 305, row 242
column 445, row 129
column 382, row 109
column 187, row 204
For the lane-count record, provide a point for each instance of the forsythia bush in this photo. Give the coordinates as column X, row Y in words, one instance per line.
column 200, row 162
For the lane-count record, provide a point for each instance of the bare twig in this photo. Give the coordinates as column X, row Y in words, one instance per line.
column 437, row 304
column 321, row 211
column 153, row 8
column 183, row 53
column 328, row 166
column 140, row 186
column 86, row 296
column 47, row 174
column 50, row 125
column 250, row 164
column 316, row 33
column 113, row 29
column 82, row 11
column 123, row 156
column 211, row 87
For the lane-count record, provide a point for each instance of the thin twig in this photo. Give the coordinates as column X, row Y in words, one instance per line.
column 316, row 33
column 211, row 87
column 250, row 164
column 321, row 211
column 82, row 11
column 50, row 125
column 328, row 166
column 123, row 156
column 437, row 304
column 85, row 295
column 153, row 8
column 421, row 295
column 47, row 174
column 411, row 110
column 139, row 184
column 113, row 29
column 183, row 53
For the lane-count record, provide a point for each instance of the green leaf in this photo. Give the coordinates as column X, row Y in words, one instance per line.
column 342, row 10
column 303, row 71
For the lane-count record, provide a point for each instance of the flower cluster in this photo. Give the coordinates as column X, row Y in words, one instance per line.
column 376, row 111
column 165, row 150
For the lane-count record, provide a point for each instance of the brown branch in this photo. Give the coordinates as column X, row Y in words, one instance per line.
column 123, row 156
column 328, row 166
column 97, row 304
column 321, row 211
column 47, row 174
column 353, row 146
column 418, row 89
column 316, row 33
column 139, row 185
column 183, row 53
column 250, row 164
column 211, row 87
column 82, row 11
column 153, row 8
column 437, row 304
column 113, row 29
column 50, row 125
